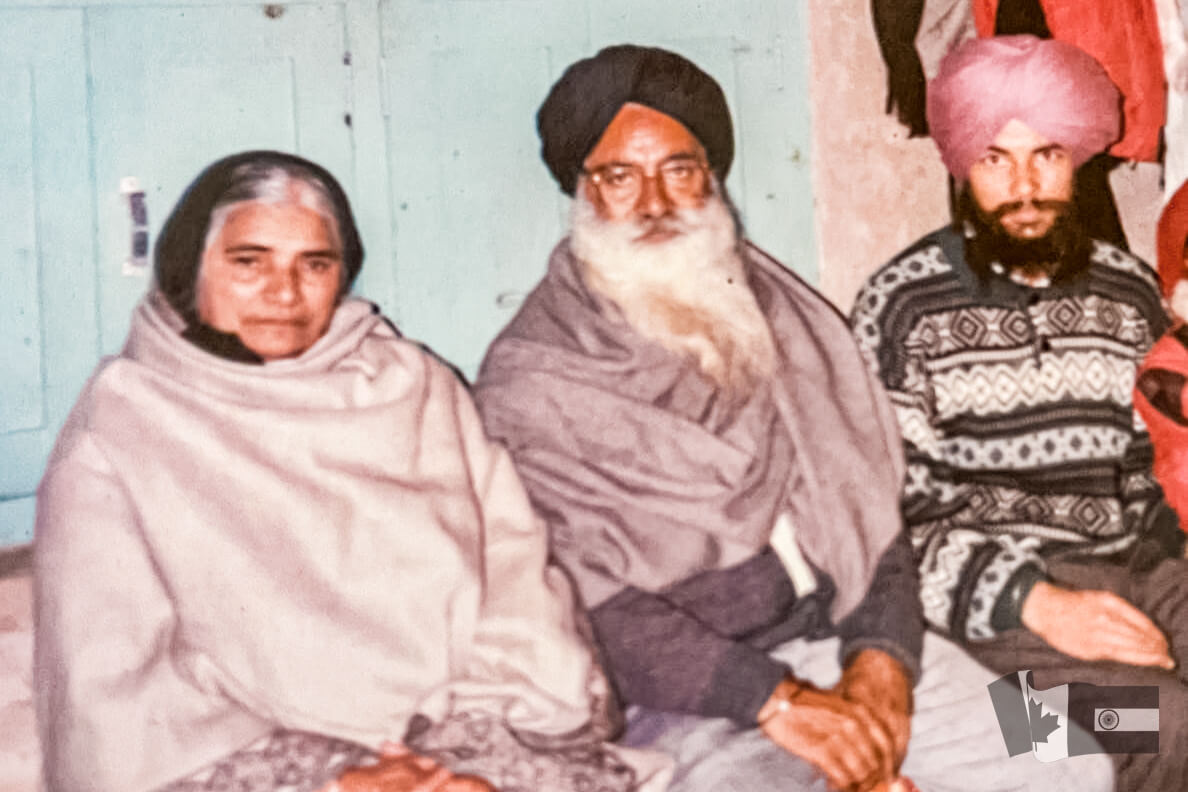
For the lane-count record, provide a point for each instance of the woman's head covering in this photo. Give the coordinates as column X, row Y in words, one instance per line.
column 1051, row 86
column 1170, row 238
column 178, row 253
column 588, row 96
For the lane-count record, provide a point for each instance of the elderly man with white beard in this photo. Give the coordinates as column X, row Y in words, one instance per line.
column 721, row 473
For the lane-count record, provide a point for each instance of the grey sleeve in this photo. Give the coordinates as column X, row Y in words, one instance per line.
column 682, row 650
column 889, row 618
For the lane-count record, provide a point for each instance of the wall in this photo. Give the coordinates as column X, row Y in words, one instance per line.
column 424, row 110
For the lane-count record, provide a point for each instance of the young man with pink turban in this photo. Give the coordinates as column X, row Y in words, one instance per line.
column 1009, row 344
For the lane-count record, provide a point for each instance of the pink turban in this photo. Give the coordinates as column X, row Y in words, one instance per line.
column 1053, row 87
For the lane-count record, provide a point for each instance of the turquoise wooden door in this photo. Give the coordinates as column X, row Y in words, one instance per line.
column 178, row 87
column 48, row 320
column 171, row 88
column 476, row 212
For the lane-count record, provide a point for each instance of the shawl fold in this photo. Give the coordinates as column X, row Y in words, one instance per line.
column 647, row 478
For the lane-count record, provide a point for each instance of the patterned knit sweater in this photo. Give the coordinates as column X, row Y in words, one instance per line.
column 1015, row 407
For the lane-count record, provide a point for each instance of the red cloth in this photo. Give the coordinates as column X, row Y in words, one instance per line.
column 1170, row 238
column 1169, row 438
column 1123, row 35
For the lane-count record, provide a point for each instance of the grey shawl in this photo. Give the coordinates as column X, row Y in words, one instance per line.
column 648, row 477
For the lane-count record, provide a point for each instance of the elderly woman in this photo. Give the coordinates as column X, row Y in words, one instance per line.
column 272, row 537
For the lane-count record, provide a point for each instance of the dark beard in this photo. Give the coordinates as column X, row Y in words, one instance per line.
column 1062, row 254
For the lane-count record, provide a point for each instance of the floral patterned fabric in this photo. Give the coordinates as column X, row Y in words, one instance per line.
column 285, row 761
column 479, row 744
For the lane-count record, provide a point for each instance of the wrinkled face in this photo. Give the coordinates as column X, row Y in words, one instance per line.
column 1024, row 180
column 271, row 275
column 645, row 166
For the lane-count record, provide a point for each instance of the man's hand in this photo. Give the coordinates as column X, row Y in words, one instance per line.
column 400, row 770
column 1094, row 625
column 879, row 682
column 842, row 738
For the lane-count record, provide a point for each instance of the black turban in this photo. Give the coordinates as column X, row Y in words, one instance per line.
column 178, row 252
column 586, row 99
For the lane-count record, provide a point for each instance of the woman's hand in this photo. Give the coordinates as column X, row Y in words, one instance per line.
column 400, row 770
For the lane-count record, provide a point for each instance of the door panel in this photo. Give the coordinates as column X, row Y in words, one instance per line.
column 475, row 211
column 20, row 306
column 177, row 88
column 47, row 287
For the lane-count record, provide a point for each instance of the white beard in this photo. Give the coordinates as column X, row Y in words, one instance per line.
column 689, row 293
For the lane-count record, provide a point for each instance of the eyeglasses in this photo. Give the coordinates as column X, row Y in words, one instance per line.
column 683, row 180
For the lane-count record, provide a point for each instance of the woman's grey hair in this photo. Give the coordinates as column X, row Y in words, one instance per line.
column 275, row 183
column 203, row 209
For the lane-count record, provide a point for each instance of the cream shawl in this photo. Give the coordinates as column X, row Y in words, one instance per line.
column 327, row 543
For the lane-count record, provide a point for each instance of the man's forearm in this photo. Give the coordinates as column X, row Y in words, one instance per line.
column 889, row 618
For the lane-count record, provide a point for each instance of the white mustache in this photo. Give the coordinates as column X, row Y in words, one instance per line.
column 661, row 225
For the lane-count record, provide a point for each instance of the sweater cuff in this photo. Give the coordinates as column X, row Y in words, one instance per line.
column 1008, row 609
column 909, row 660
column 741, row 685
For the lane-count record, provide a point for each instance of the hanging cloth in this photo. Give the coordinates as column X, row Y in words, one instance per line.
column 895, row 26
column 1016, row 17
column 913, row 37
column 1124, row 38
